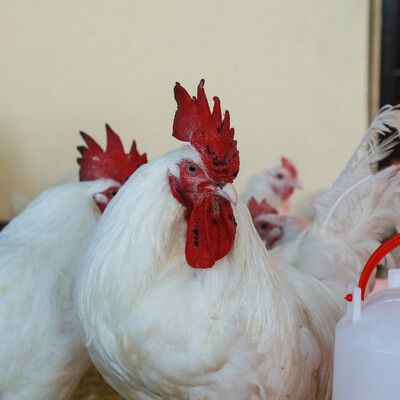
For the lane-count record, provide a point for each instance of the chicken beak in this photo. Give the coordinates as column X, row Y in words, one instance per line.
column 297, row 184
column 228, row 192
column 100, row 198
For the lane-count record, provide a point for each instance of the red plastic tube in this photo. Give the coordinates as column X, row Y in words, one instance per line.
column 384, row 249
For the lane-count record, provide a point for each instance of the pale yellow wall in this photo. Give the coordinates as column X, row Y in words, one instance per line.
column 292, row 73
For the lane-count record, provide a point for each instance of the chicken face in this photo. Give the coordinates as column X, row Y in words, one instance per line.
column 206, row 190
column 211, row 223
column 103, row 198
column 262, row 214
column 283, row 184
column 285, row 179
column 194, row 185
column 269, row 232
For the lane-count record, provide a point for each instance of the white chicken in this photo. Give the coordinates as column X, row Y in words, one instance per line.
column 353, row 217
column 42, row 355
column 276, row 185
column 177, row 295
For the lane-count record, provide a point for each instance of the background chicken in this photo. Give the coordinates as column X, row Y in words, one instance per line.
column 41, row 353
column 276, row 185
column 274, row 229
column 18, row 202
column 114, row 148
column 353, row 217
column 177, row 296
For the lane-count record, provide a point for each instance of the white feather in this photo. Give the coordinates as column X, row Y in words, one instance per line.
column 353, row 216
column 378, row 142
column 42, row 355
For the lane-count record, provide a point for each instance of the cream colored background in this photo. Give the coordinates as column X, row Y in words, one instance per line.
column 294, row 75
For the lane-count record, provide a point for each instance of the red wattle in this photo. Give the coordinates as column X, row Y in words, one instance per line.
column 210, row 233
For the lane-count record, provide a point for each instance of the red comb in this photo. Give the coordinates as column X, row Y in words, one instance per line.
column 287, row 164
column 112, row 163
column 207, row 132
column 262, row 208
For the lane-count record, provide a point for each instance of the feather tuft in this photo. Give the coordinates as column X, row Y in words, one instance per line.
column 356, row 180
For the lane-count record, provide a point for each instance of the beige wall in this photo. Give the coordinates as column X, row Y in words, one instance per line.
column 292, row 73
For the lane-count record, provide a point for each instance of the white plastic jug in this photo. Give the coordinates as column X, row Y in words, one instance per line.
column 367, row 342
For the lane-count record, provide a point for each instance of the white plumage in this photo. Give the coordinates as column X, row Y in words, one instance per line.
column 252, row 326
column 352, row 217
column 42, row 355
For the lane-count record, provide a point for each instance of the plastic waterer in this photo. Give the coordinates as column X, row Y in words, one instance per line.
column 367, row 342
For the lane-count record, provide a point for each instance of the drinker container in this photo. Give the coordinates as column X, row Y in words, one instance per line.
column 367, row 340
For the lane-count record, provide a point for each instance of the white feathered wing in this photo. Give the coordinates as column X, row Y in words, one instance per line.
column 352, row 217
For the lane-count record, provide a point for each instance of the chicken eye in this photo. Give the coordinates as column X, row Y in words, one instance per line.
column 264, row 226
column 113, row 192
column 279, row 176
column 192, row 168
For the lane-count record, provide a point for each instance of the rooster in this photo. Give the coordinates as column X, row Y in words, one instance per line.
column 177, row 295
column 41, row 353
column 274, row 229
column 276, row 185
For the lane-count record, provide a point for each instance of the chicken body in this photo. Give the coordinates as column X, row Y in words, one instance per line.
column 158, row 329
column 352, row 218
column 42, row 355
column 167, row 315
